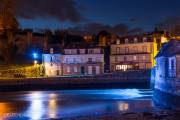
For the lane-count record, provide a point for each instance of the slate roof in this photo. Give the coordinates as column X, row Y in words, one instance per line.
column 169, row 49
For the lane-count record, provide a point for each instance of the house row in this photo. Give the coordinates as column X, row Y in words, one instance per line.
column 126, row 53
column 74, row 61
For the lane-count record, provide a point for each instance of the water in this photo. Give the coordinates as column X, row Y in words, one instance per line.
column 39, row 105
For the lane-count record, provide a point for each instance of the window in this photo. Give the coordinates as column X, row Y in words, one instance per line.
column 135, row 49
column 144, row 57
column 116, row 59
column 126, row 40
column 67, row 60
column 75, row 69
column 166, row 68
column 172, row 64
column 82, row 51
column 144, row 39
column 51, row 50
column 122, row 67
column 51, row 59
column 126, row 49
column 144, row 49
column 125, row 58
column 78, row 51
column 70, row 51
column 135, row 40
column 82, row 60
column 117, row 50
column 118, row 42
column 91, row 51
column 74, row 60
column 134, row 57
column 98, row 60
column 90, row 60
column 68, row 69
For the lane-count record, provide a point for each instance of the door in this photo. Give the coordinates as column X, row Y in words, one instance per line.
column 97, row 70
column 90, row 70
column 82, row 70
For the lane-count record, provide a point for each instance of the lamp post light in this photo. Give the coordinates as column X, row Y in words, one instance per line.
column 35, row 57
column 35, row 65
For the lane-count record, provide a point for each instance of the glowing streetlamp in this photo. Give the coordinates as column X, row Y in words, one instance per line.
column 35, row 62
column 35, row 57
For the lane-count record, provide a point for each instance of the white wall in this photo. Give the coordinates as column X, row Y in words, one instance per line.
column 52, row 67
column 82, row 58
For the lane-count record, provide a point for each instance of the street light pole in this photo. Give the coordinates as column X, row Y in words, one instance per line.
column 35, row 65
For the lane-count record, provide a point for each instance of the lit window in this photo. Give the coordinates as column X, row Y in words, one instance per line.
column 75, row 69
column 134, row 57
column 135, row 49
column 51, row 50
column 121, row 67
column 118, row 42
column 144, row 49
column 144, row 57
column 68, row 69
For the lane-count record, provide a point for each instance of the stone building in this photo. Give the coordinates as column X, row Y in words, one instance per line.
column 167, row 75
column 133, row 53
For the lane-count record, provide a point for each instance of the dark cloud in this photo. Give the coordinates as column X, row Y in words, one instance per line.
column 94, row 28
column 62, row 10
column 170, row 24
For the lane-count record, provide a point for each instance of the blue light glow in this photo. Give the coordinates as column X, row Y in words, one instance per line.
column 35, row 55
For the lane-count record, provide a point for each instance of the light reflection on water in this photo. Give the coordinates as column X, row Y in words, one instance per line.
column 36, row 105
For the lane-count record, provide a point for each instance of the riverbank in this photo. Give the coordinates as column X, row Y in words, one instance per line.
column 65, row 83
column 150, row 115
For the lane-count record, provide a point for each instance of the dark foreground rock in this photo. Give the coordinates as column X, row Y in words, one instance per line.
column 154, row 115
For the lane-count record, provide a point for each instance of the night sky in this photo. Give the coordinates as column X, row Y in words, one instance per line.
column 133, row 13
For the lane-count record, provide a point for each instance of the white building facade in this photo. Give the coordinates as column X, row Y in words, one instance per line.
column 74, row 62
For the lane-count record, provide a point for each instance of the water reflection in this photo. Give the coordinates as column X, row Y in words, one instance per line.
column 36, row 108
column 122, row 106
column 59, row 104
column 4, row 109
column 52, row 107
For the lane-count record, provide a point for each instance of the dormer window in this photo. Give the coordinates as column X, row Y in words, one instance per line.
column 126, row 40
column 51, row 50
column 135, row 40
column 118, row 42
column 144, row 39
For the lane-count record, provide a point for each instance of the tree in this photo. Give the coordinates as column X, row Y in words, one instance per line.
column 8, row 25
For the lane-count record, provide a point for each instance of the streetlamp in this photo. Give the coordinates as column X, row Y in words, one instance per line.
column 35, row 57
column 35, row 65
